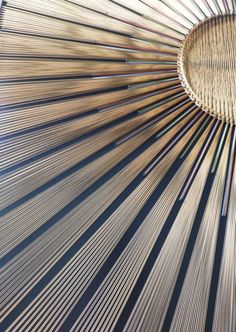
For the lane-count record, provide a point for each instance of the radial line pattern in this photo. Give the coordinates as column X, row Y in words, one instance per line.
column 118, row 173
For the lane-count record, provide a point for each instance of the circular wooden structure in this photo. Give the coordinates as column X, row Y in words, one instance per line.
column 207, row 66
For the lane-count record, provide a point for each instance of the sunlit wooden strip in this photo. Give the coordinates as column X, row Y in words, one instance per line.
column 12, row 95
column 14, row 68
column 230, row 171
column 69, row 110
column 224, row 318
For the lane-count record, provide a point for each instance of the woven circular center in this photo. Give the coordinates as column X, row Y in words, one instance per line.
column 207, row 66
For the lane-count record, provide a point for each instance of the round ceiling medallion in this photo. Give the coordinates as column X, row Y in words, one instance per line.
column 207, row 66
